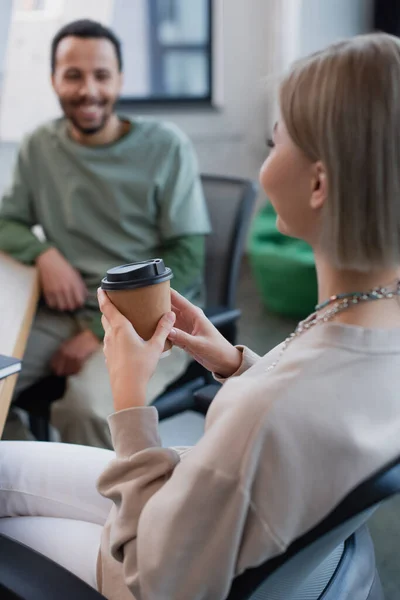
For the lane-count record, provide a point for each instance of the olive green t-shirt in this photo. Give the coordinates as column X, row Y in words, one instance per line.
column 104, row 206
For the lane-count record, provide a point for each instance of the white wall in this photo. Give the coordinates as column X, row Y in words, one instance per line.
column 100, row 10
column 327, row 21
column 5, row 21
column 130, row 18
column 27, row 98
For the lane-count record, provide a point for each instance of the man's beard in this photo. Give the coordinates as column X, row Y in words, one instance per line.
column 85, row 130
column 89, row 130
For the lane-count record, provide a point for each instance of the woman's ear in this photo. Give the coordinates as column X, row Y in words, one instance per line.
column 319, row 190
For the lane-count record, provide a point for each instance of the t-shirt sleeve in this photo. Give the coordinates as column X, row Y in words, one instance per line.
column 17, row 213
column 17, row 201
column 182, row 207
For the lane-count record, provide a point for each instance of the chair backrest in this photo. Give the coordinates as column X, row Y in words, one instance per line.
column 335, row 528
column 307, row 575
column 230, row 204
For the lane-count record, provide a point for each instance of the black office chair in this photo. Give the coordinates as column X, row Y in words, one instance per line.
column 230, row 203
column 333, row 561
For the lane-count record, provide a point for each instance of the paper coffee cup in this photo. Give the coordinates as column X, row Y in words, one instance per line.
column 141, row 292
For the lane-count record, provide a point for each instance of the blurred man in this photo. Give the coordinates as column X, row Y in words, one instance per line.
column 106, row 190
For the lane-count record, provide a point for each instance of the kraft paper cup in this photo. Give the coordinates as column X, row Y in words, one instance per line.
column 142, row 293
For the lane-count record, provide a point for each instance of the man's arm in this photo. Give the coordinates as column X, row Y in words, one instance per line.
column 18, row 241
column 62, row 286
column 17, row 216
column 186, row 257
column 93, row 323
column 182, row 213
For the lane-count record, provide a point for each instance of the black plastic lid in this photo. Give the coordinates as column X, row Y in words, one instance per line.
column 136, row 275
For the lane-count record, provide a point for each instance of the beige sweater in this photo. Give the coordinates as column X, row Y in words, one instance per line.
column 280, row 450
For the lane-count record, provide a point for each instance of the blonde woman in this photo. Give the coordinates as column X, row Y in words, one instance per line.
column 289, row 434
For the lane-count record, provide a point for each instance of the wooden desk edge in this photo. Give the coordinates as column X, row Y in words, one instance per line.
column 7, row 385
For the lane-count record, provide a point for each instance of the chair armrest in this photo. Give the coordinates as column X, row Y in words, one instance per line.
column 220, row 316
column 28, row 575
column 178, row 400
column 204, row 397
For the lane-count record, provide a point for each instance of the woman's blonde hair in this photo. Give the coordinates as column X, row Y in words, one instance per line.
column 342, row 106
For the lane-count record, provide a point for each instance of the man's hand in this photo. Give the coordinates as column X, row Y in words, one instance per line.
column 62, row 285
column 71, row 356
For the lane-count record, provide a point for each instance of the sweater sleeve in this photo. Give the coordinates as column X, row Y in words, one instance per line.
column 175, row 520
column 17, row 215
column 249, row 359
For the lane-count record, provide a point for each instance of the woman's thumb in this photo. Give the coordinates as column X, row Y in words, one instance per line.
column 164, row 328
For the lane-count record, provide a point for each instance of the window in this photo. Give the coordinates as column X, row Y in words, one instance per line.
column 167, row 47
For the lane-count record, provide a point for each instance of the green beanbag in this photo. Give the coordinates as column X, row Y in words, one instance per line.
column 283, row 268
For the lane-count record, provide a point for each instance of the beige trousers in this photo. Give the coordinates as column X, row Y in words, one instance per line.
column 81, row 415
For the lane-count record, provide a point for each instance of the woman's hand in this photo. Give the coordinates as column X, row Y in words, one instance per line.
column 198, row 336
column 131, row 361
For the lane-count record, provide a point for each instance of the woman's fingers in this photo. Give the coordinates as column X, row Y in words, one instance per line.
column 105, row 324
column 180, row 302
column 112, row 314
column 164, row 327
column 183, row 340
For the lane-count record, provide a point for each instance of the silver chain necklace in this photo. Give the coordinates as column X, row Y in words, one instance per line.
column 379, row 293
